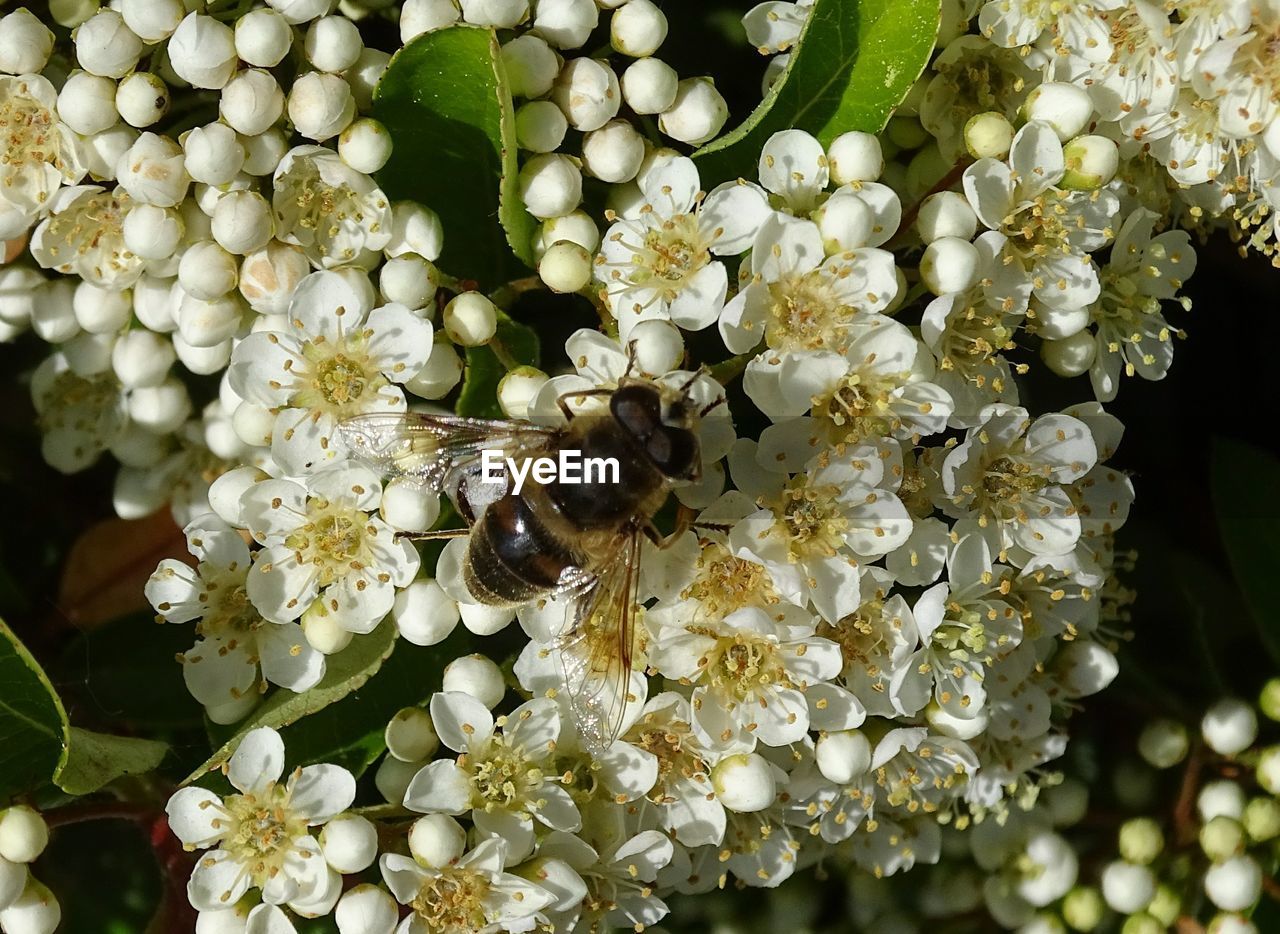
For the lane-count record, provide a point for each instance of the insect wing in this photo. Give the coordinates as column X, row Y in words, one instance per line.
column 596, row 649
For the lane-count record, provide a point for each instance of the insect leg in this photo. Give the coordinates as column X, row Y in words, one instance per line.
column 430, row 536
column 563, row 400
column 684, row 522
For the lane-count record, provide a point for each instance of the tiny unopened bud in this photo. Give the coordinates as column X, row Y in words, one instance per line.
column 366, row 909
column 744, row 782
column 410, row 735
column 503, row 14
column 242, row 222
column 1268, row 771
column 106, row 46
column 1070, row 356
column 349, row 843
column 36, row 911
column 1269, row 700
column 988, row 135
column 550, row 185
column 25, row 43
column 1230, row 726
column 440, row 375
column 1065, row 107
column 614, row 152
column 1261, row 819
column 202, row 51
column 142, row 98
column 540, row 126
column 23, row 834
column 470, row 319
column 332, row 43
column 697, row 114
column 946, row 214
column 437, row 841
column 1127, row 888
column 424, row 613
column 587, row 91
column 1222, row 838
column 320, row 105
column 565, row 267
column 949, row 264
column 408, row 280
column 263, row 38
column 365, row 145
column 1222, row 797
column 649, row 85
column 841, row 757
column 476, row 675
column 1140, row 840
column 142, row 358
column 323, row 632
column 531, row 65
column 638, row 29
column 518, row 388
column 566, row 24
column 855, row 157
column 1091, row 161
column 1083, row 908
column 1234, row 884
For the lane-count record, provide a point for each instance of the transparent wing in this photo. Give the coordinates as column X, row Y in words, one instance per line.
column 596, row 648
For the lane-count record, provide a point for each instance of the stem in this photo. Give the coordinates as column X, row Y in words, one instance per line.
column 726, row 371
column 504, row 356
column 100, row 810
column 504, row 296
column 1184, row 823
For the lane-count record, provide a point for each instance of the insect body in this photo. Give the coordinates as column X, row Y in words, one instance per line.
column 579, row 542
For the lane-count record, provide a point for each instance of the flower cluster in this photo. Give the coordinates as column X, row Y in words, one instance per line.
column 26, row 905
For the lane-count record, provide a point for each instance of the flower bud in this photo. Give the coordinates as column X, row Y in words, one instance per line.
column 421, row 16
column 142, row 99
column 437, row 841
column 87, row 103
column 107, row 47
column 531, row 65
column 71, row 13
column 142, row 358
column 53, row 316
column 23, row 834
column 263, row 152
column 846, row 223
column 1083, row 908
column 365, row 145
column 1065, row 107
column 268, row 276
column 25, row 43
column 152, row 232
column 1234, row 884
column 253, row 424
column 482, row 620
column 332, row 43
column 697, row 114
column 153, row 170
column 1127, row 888
column 410, row 735
column 1141, row 923
column 349, row 843
column 440, row 375
column 13, row 879
column 1092, row 161
column 262, row 38
column 1066, row 803
column 99, row 310
column 162, row 408
column 566, row 24
column 1050, row 869
column 961, row 728
column 1086, row 667
column 517, row 389
column 504, row 14
column 1230, row 726
column 565, row 267
column 207, row 323
column 540, row 126
column 638, row 29
column 477, row 676
column 842, row 757
column 1163, row 743
column 744, row 782
column 415, row 228
column 550, row 185
column 323, row 631
column 424, row 613
column 614, row 152
column 1269, row 700
column 205, row 361
column 949, row 264
column 649, row 86
column 242, row 222
column 408, row 280
column 366, row 909
column 1261, row 819
column 587, row 91
column 36, row 911
column 576, row 227
column 1140, row 840
column 320, row 105
column 1221, row 797
column 407, row 509
column 1231, row 924
column 1268, row 771
column 202, row 52
column 297, row 12
column 946, row 214
column 393, row 777
column 988, row 135
column 214, row 155
column 855, row 157
column 470, row 319
column 1221, row 838
column 1070, row 356
column 207, row 272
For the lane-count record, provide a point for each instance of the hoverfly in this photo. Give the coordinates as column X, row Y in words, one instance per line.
column 579, row 543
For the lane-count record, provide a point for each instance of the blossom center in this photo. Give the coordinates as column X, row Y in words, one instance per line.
column 262, row 830
column 726, row 583
column 812, row 520
column 672, row 254
column 747, row 664
column 335, row 540
column 1006, row 481
column 502, row 779
column 453, row 901
column 806, row 314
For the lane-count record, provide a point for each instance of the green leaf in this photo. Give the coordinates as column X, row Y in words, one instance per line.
column 446, row 101
column 1245, row 482
column 479, row 396
column 94, row 759
column 853, row 64
column 33, row 724
column 344, row 673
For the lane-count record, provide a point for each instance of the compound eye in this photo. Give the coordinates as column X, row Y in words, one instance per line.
column 638, row 412
column 659, row 448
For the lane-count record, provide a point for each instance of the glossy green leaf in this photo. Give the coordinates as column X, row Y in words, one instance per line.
column 445, row 99
column 33, row 724
column 479, row 396
column 852, row 65
column 95, row 759
column 1245, row 484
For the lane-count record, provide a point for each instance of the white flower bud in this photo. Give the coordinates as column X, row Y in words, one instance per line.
column 614, row 152
column 366, row 909
column 1070, row 356
column 152, row 20
column 1140, row 840
column 349, row 843
column 503, row 14
column 415, row 228
column 269, row 276
column 1086, row 667
column 424, row 614
column 87, row 103
column 437, row 841
column 407, row 508
column 323, row 631
column 13, row 879
column 23, row 834
column 517, row 389
column 550, row 185
column 744, row 782
column 207, row 323
column 19, row 292
column 142, row 358
column 154, row 171
column 213, row 154
column 142, row 99
column 105, row 46
column 36, row 911
column 577, row 227
column 649, row 86
column 540, row 126
column 1231, row 924
column 207, row 272
column 154, row 302
column 1222, row 838
column 365, row 145
column 566, row 24
column 242, row 222
column 638, row 29
column 1261, row 819
column 333, row 43
column 25, row 43
column 393, row 777
column 1127, row 888
column 988, row 135
column 410, row 735
column 1066, row 803
column 1234, row 884
column 659, row 346
column 262, row 38
column 1065, row 107
column 1220, row 798
column 202, row 52
column 408, row 280
column 949, row 264
column 697, row 114
column 1052, row 869
column 99, row 310
column 565, row 267
column 531, row 65
column 320, row 105
column 364, row 75
column 440, row 375
column 71, row 13
column 587, row 91
column 1268, row 770
column 420, row 16
column 476, row 675
column 1163, row 743
column 842, row 757
column 203, row 361
column 855, row 157
column 253, row 424
column 961, row 728
column 946, row 214
column 484, row 620
column 53, row 316
column 470, row 319
column 252, row 100
column 89, row 354
column 1092, row 161
column 846, row 223
column 1230, row 726
column 263, row 152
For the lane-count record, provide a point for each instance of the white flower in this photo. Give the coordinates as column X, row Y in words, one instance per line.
column 263, row 834
column 233, row 640
column 662, row 262
column 774, row 26
column 968, row 334
column 1237, row 71
column 40, row 152
column 337, row 358
column 504, row 779
column 1076, row 27
column 328, row 208
column 84, row 235
column 619, row 876
column 80, row 416
column 323, row 552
